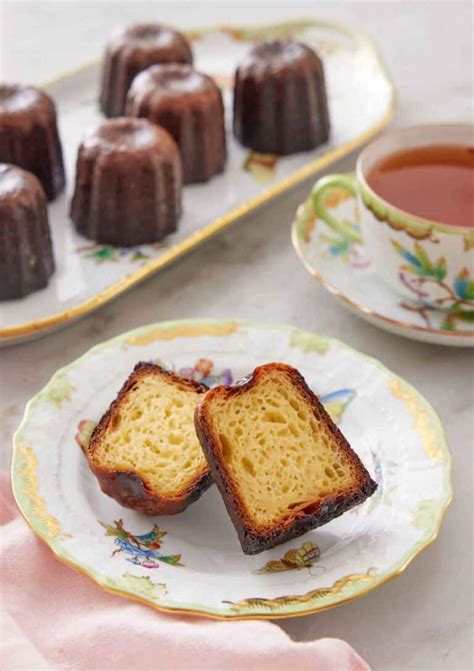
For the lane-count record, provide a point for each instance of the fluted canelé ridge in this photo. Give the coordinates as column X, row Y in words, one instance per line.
column 280, row 101
column 189, row 105
column 26, row 253
column 128, row 183
column 132, row 50
column 29, row 135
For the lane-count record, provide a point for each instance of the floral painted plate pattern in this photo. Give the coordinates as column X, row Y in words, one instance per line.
column 192, row 562
column 88, row 275
column 343, row 268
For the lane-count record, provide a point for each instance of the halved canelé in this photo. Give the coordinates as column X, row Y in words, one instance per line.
column 144, row 451
column 279, row 461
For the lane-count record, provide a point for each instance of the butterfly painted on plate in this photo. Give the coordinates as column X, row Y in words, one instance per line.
column 337, row 402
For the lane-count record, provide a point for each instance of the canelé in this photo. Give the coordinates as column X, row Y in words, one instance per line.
column 280, row 100
column 132, row 50
column 26, row 253
column 128, row 183
column 189, row 105
column 29, row 136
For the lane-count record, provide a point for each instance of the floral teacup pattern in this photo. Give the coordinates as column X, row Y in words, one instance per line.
column 424, row 260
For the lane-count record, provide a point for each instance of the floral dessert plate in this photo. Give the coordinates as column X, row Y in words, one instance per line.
column 89, row 275
column 192, row 562
column 343, row 268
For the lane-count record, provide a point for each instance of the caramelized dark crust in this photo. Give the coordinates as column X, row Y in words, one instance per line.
column 188, row 104
column 280, row 99
column 128, row 184
column 127, row 487
column 26, row 252
column 132, row 50
column 29, row 136
column 254, row 540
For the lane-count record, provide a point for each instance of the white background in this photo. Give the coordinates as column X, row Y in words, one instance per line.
column 423, row 619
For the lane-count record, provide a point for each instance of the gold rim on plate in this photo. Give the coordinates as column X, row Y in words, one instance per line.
column 179, row 328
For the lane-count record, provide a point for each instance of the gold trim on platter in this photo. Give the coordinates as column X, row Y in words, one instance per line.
column 45, row 324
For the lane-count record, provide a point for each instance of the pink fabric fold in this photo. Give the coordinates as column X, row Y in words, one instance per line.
column 55, row 618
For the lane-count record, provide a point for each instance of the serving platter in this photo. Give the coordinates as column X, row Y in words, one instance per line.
column 192, row 563
column 361, row 101
column 343, row 267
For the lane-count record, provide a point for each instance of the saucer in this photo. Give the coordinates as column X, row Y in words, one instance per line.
column 343, row 268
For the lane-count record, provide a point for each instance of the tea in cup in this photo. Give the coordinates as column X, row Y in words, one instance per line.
column 415, row 192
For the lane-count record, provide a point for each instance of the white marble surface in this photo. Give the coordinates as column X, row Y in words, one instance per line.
column 423, row 619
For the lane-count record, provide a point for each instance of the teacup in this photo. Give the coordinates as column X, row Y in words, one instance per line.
column 426, row 261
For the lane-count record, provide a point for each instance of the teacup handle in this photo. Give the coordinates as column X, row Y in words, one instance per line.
column 346, row 181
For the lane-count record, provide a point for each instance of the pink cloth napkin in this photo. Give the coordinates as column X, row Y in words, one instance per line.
column 54, row 618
